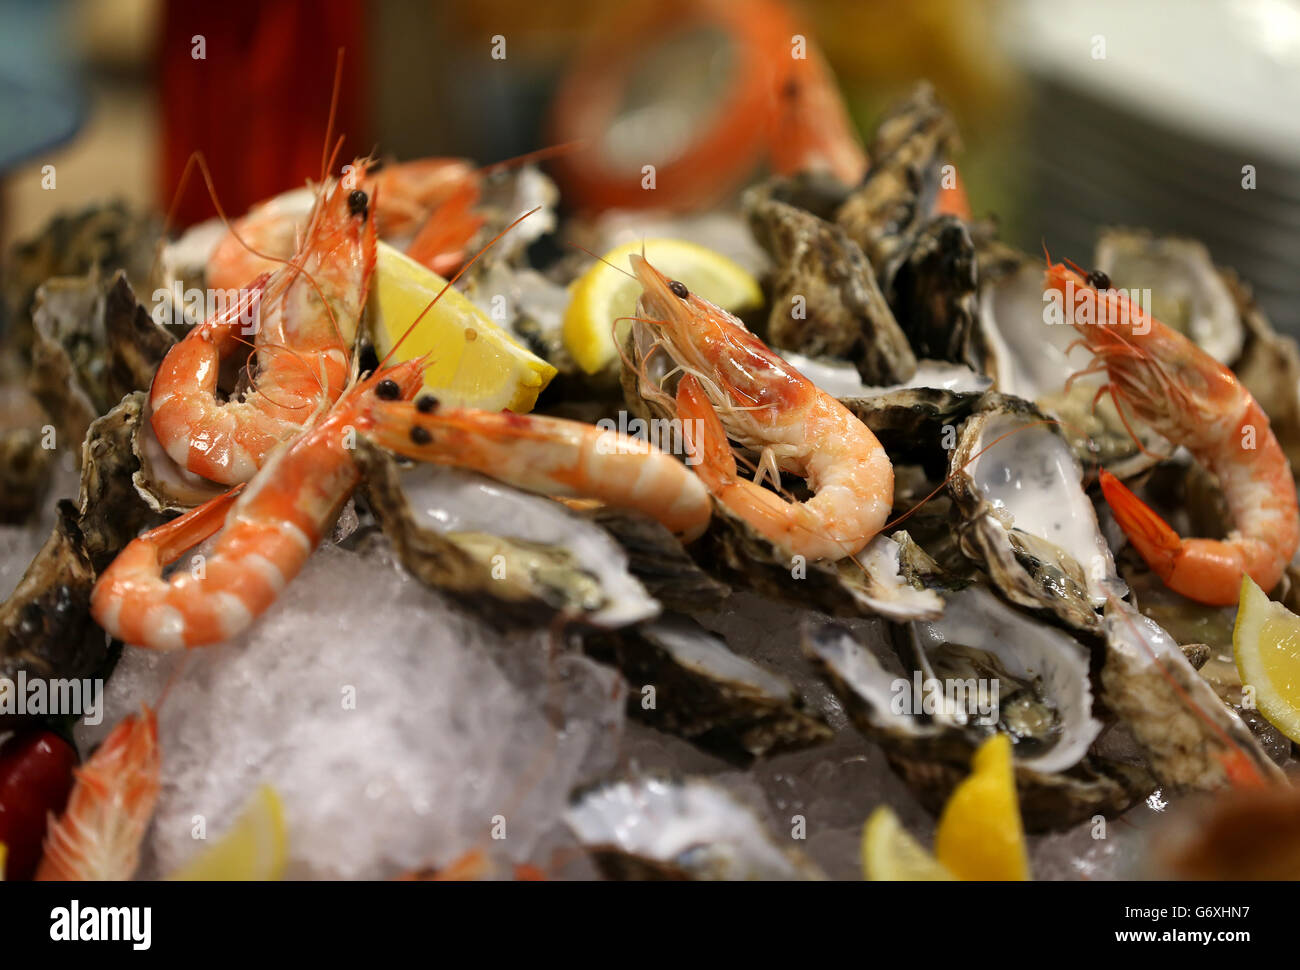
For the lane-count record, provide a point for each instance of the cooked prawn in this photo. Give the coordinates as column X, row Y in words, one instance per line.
column 733, row 386
column 307, row 313
column 551, row 456
column 1169, row 383
column 98, row 837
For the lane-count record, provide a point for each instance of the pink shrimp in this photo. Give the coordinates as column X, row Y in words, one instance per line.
column 306, row 317
column 734, row 386
column 1184, row 394
column 551, row 456
column 98, row 837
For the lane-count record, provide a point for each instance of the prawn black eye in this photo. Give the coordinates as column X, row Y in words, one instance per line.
column 679, row 289
column 426, row 404
column 358, row 201
column 420, row 435
column 388, row 390
column 1098, row 280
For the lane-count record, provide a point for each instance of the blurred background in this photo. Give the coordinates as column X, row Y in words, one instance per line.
column 1178, row 116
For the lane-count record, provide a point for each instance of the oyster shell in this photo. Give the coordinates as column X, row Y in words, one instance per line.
column 93, row 344
column 100, row 238
column 68, row 361
column 507, row 551
column 1043, row 702
column 45, row 626
column 24, row 461
column 1187, row 292
column 884, row 579
column 651, row 828
column 1190, row 737
column 1026, row 517
column 935, row 293
column 706, row 693
column 657, row 559
column 821, row 271
column 886, row 212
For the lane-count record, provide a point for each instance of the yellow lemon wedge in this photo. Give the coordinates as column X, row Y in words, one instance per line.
column 603, row 294
column 473, row 362
column 890, row 854
column 4, row 857
column 1266, row 647
column 979, row 834
column 254, row 849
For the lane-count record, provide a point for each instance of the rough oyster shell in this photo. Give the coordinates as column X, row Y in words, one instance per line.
column 885, row 213
column 101, row 238
column 45, row 624
column 884, row 579
column 1189, row 736
column 819, row 268
column 500, row 547
column 1026, row 517
column 656, row 829
column 706, row 693
column 93, row 344
column 24, row 461
column 935, row 293
column 1047, row 711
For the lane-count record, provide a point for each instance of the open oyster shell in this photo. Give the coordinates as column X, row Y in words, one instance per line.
column 651, row 828
column 705, row 692
column 1043, row 702
column 507, row 551
column 1191, row 739
column 884, row 579
column 1025, row 515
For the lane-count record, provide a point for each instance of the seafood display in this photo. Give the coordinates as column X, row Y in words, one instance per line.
column 936, row 518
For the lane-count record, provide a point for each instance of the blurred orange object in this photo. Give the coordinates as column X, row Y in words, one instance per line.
column 780, row 100
column 257, row 102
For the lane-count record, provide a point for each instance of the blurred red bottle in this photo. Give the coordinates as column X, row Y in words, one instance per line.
column 257, row 101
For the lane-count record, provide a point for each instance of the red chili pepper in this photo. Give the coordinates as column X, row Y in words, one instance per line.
column 35, row 779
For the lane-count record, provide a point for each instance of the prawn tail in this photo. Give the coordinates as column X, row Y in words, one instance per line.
column 99, row 835
column 1158, row 544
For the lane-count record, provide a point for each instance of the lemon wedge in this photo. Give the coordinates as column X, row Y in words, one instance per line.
column 979, row 834
column 889, row 853
column 473, row 361
column 1266, row 647
column 603, row 294
column 254, row 849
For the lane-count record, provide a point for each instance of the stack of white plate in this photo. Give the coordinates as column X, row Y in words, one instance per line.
column 1161, row 114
